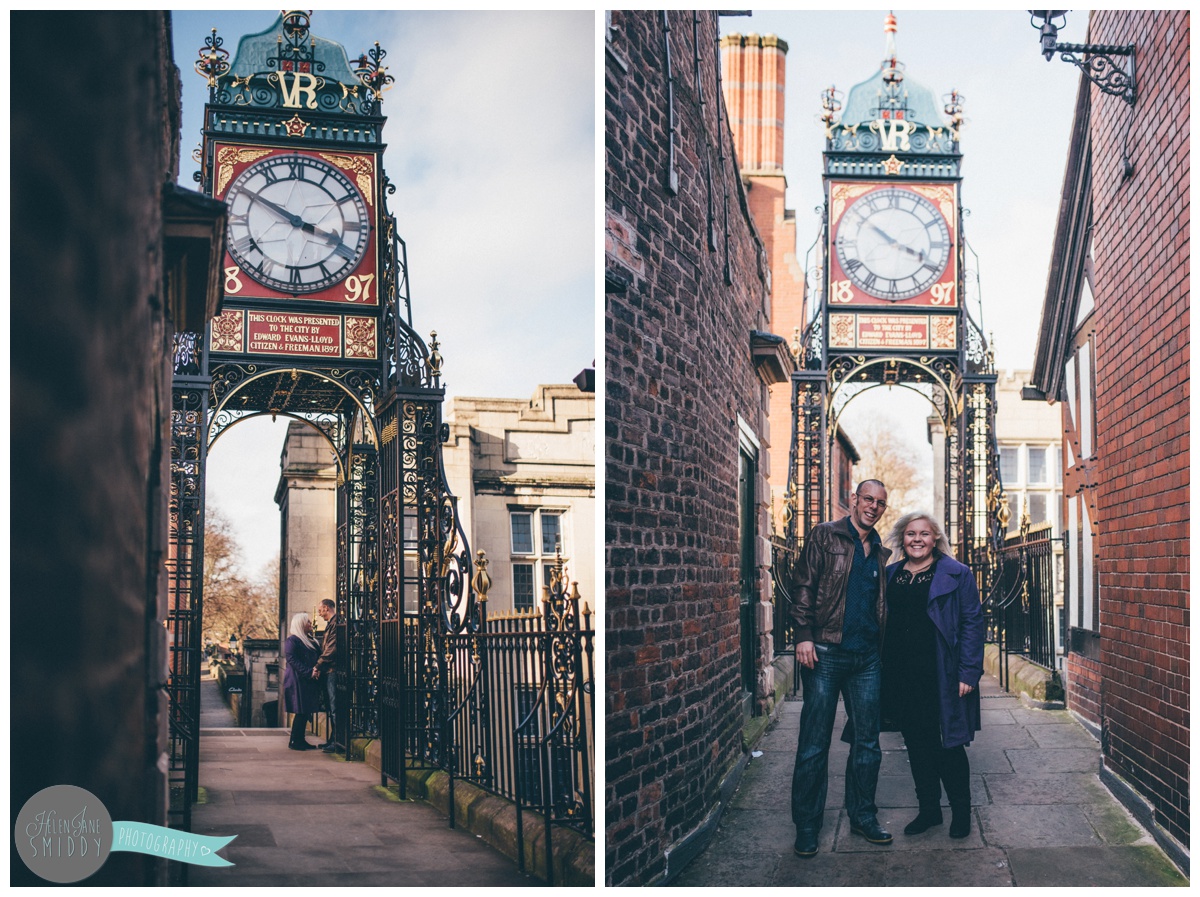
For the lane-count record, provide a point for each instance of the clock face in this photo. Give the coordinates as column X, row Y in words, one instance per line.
column 893, row 243
column 296, row 223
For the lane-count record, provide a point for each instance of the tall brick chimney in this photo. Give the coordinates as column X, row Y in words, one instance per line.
column 754, row 71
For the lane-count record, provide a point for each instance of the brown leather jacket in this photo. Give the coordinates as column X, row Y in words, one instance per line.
column 328, row 647
column 819, row 589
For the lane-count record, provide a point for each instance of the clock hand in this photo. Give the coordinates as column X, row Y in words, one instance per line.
column 918, row 254
column 293, row 220
column 329, row 237
column 875, row 227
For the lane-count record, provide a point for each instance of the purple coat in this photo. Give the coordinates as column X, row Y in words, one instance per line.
column 300, row 694
column 957, row 614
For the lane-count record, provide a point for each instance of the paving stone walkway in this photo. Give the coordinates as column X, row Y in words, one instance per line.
column 1040, row 816
column 305, row 818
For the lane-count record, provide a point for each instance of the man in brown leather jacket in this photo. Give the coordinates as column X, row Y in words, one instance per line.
column 326, row 664
column 839, row 614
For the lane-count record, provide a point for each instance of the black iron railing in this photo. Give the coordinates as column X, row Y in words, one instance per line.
column 523, row 690
column 1020, row 610
column 783, row 567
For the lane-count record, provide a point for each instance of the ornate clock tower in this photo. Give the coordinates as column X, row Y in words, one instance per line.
column 316, row 325
column 891, row 308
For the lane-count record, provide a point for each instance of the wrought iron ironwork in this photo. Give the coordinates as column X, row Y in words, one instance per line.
column 185, row 596
column 522, row 690
column 1097, row 62
column 785, row 555
column 1020, row 611
column 295, row 53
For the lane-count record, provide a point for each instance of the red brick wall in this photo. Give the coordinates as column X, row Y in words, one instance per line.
column 1083, row 691
column 679, row 373
column 1140, row 247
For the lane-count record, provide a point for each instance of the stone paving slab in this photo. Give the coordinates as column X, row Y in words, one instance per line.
column 1058, row 788
column 312, row 819
column 1040, row 816
column 1037, row 826
column 1055, row 760
column 1127, row 867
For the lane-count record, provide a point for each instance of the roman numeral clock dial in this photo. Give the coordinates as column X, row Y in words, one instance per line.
column 893, row 243
column 296, row 223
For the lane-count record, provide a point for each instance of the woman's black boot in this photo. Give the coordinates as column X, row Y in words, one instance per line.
column 956, row 776
column 926, row 819
column 960, row 821
column 922, row 759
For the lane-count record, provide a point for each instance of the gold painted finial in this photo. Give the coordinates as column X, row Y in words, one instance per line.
column 481, row 582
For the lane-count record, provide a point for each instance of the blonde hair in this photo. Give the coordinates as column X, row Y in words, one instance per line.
column 895, row 539
column 297, row 627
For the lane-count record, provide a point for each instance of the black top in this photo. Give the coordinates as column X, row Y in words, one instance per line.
column 910, row 692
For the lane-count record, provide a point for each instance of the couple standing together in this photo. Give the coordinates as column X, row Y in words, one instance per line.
column 903, row 642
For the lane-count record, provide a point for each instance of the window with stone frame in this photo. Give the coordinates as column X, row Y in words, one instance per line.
column 537, row 539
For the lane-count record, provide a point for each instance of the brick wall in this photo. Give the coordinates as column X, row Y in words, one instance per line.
column 679, row 375
column 1084, row 679
column 90, row 408
column 1140, row 248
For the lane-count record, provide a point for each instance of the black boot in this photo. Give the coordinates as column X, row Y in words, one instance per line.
column 297, row 741
column 955, row 773
column 960, row 821
column 926, row 819
column 922, row 759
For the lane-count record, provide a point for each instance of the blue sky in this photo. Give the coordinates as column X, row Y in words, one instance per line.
column 492, row 147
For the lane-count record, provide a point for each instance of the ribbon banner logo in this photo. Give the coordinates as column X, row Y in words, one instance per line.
column 64, row 834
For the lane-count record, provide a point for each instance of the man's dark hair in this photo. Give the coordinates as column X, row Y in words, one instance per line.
column 329, row 602
column 858, row 491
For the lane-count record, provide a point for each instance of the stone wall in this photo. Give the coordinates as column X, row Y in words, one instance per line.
column 686, row 282
column 91, row 398
column 307, row 499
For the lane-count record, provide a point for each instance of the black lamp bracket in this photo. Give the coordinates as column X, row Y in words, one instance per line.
column 1099, row 64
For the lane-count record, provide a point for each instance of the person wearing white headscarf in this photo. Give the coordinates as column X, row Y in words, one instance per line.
column 300, row 695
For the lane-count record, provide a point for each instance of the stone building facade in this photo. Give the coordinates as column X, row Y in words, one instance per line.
column 689, row 356
column 525, row 475
column 1113, row 356
column 307, row 499
column 110, row 258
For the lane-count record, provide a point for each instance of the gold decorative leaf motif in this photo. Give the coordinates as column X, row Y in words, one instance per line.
column 229, row 156
column 363, row 169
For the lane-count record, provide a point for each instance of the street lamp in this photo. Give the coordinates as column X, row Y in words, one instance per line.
column 1096, row 61
column 233, row 645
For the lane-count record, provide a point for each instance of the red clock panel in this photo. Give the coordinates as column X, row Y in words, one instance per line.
column 301, row 224
column 893, row 245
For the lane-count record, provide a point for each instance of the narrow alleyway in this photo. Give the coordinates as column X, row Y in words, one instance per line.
column 1040, row 816
column 310, row 818
column 214, row 712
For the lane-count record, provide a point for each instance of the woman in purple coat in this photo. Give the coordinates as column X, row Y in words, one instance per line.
column 932, row 662
column 300, row 694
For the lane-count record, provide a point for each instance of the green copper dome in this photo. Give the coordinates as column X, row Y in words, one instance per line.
column 865, row 99
column 254, row 51
column 891, row 123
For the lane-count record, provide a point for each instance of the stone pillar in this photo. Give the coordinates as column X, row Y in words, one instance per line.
column 307, row 499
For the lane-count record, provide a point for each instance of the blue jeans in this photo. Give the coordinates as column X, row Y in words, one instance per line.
column 855, row 675
column 331, row 692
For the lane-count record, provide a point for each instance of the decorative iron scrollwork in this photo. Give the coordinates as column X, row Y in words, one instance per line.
column 213, row 61
column 187, row 354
